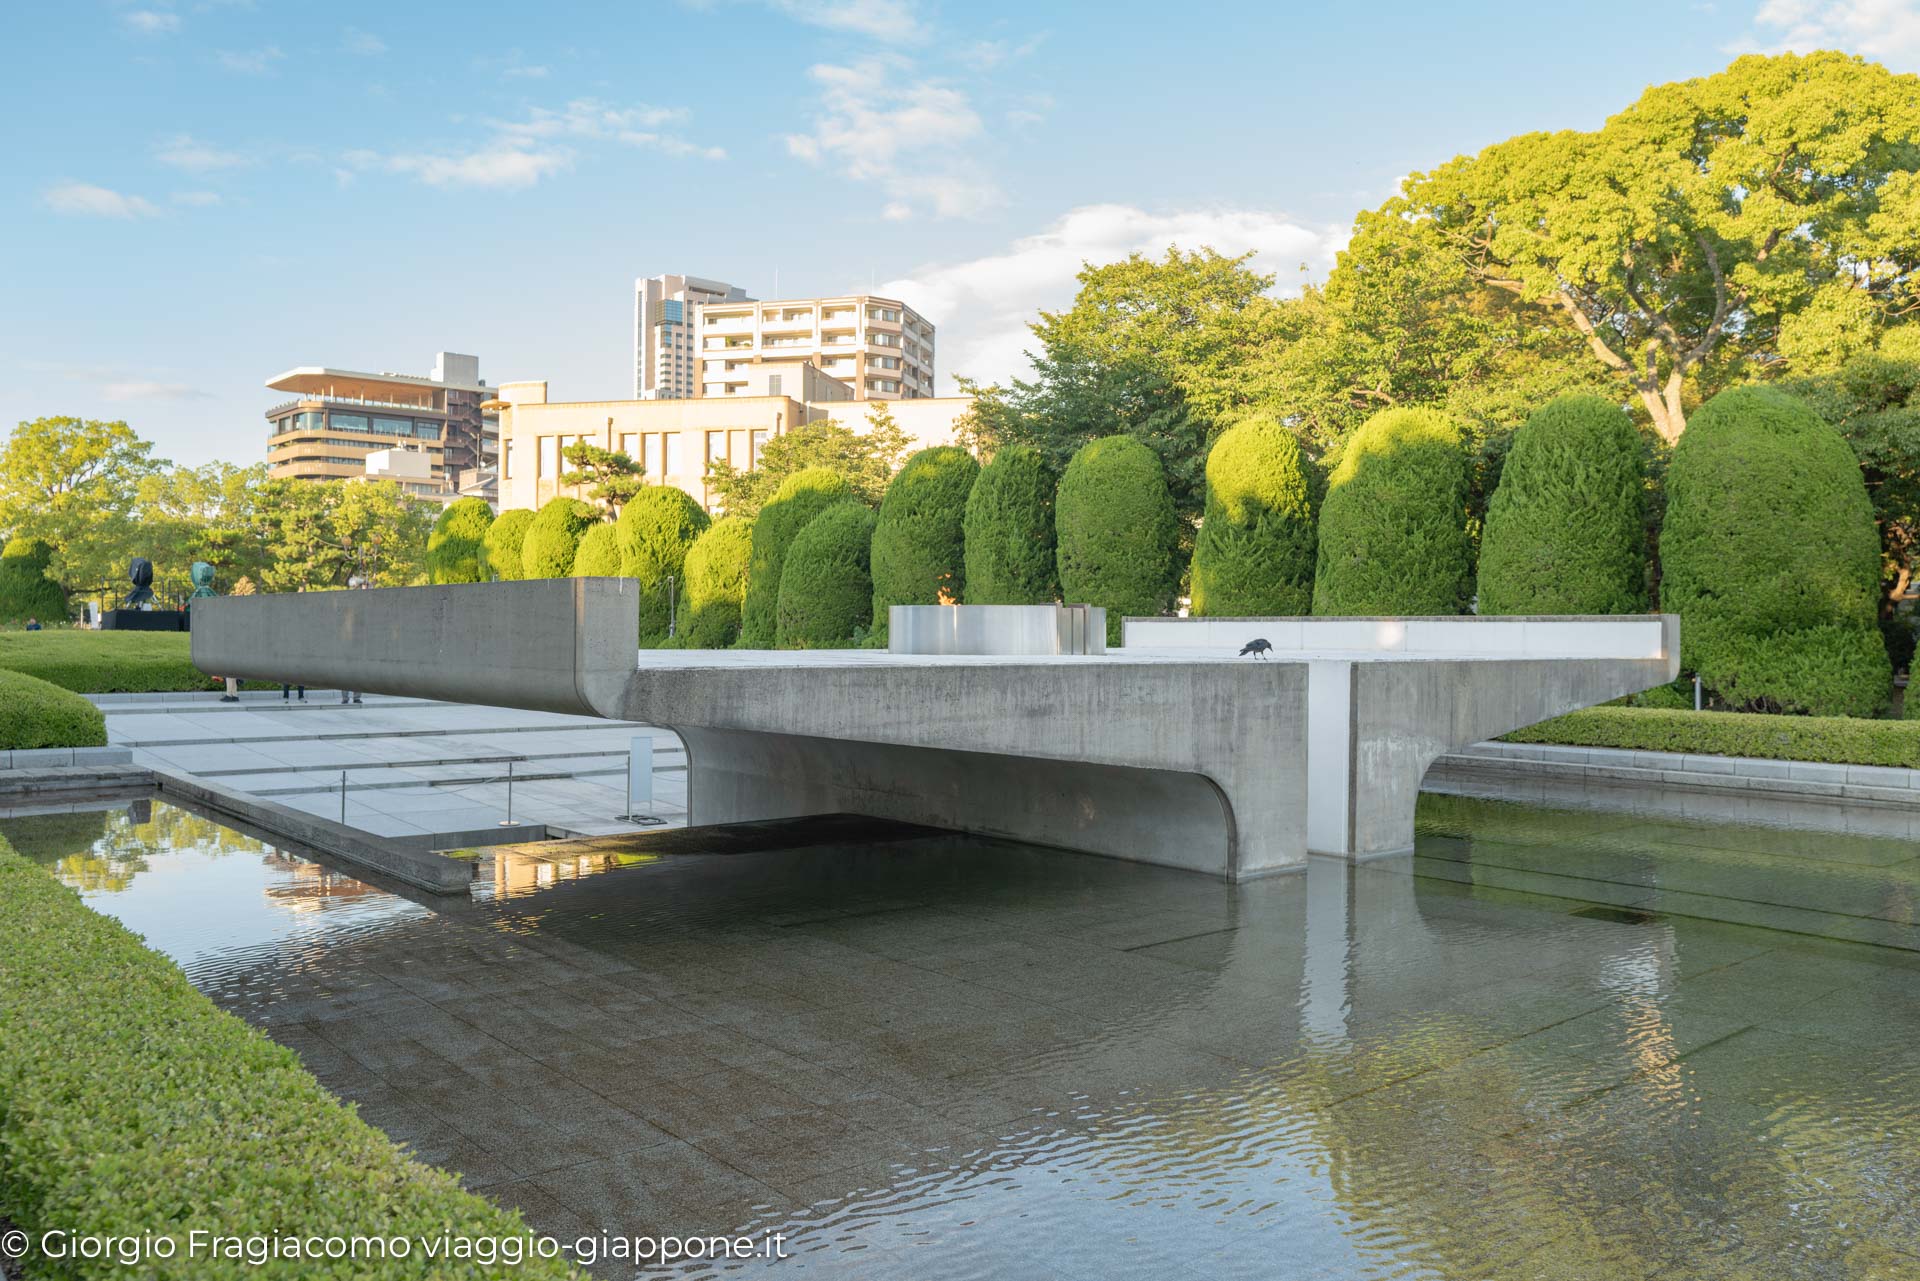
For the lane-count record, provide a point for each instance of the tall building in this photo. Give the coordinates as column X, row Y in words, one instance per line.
column 663, row 310
column 880, row 348
column 336, row 417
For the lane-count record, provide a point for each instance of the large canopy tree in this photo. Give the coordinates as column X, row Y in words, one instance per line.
column 74, row 483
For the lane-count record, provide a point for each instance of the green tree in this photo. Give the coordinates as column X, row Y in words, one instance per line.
column 382, row 530
column 1008, row 531
column 303, row 552
column 867, row 459
column 609, row 477
column 826, row 588
column 74, row 483
column 800, row 498
column 553, row 537
column 1116, row 530
column 26, row 590
column 1566, row 530
column 598, row 555
column 1770, row 557
column 919, row 549
column 1393, row 526
column 1255, row 551
column 213, row 513
column 505, row 542
column 457, row 547
column 716, row 574
column 656, row 529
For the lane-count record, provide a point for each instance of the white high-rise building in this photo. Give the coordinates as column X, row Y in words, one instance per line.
column 664, row 367
column 879, row 348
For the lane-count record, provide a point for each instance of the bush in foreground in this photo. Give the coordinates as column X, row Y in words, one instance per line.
column 1254, row 555
column 919, row 547
column 656, row 530
column 129, row 1103
column 553, row 537
column 1836, row 740
column 1115, row 524
column 800, row 498
column 1393, row 528
column 506, row 541
column 716, row 574
column 25, row 589
column 1770, row 556
column 598, row 555
column 1008, row 531
column 826, row 587
column 35, row 713
column 1566, row 528
column 457, row 547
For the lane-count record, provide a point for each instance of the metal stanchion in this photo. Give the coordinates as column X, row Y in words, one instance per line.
column 1696, row 692
column 343, row 797
column 508, row 821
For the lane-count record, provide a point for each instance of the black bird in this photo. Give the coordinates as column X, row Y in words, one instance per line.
column 1257, row 647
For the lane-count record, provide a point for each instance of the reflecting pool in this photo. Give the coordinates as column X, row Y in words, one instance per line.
column 1539, row 1048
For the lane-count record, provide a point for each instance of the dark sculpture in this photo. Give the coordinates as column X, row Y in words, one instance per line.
column 141, row 572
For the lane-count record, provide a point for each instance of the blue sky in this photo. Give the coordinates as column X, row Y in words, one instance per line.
column 206, row 192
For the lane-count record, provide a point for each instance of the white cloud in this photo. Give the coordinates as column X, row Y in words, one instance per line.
column 83, row 199
column 982, row 306
column 519, row 153
column 1886, row 30
column 502, row 165
column 250, row 62
column 144, row 390
column 151, row 22
column 197, row 199
column 985, row 55
column 882, row 123
column 183, row 151
column 890, row 21
column 364, row 43
column 519, row 72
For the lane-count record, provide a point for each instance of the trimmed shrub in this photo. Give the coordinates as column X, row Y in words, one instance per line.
column 716, row 575
column 36, row 713
column 1008, row 531
column 457, row 547
column 656, row 530
column 1254, row 553
column 25, row 589
column 106, row 662
column 1836, row 740
column 130, row 1103
column 506, row 540
column 800, row 498
column 1114, row 520
column 553, row 537
column 598, row 555
column 919, row 546
column 1393, row 527
column 826, row 584
column 1566, row 529
column 1771, row 558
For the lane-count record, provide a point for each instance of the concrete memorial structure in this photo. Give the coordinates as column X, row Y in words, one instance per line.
column 1171, row 750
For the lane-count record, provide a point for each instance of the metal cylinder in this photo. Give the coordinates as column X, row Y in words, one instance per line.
column 997, row 629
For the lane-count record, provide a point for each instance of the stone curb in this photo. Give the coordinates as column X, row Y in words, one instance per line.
column 48, row 757
column 1719, row 775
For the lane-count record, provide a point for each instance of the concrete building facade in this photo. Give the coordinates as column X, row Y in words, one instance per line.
column 879, row 347
column 337, row 417
column 664, row 361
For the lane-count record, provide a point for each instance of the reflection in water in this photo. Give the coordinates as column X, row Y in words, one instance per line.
column 946, row 1058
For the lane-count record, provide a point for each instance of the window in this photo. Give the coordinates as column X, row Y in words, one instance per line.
column 652, row 460
column 716, row 447
column 347, row 422
column 393, row 426
column 673, row 454
column 758, row 439
column 426, row 430
column 773, row 384
column 549, row 457
column 506, row 462
column 630, row 445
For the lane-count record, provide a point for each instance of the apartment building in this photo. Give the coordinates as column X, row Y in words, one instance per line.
column 337, row 417
column 880, row 348
column 663, row 318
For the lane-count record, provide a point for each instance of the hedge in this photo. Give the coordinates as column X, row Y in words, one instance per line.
column 36, row 713
column 716, row 573
column 800, row 498
column 1566, row 528
column 598, row 555
column 826, row 584
column 1837, row 740
column 1114, row 520
column 25, row 589
column 553, row 537
column 919, row 544
column 1770, row 556
column 457, row 547
column 1255, row 551
column 1008, row 531
column 106, row 662
column 656, row 530
column 130, row 1104
column 506, row 541
column 1393, row 527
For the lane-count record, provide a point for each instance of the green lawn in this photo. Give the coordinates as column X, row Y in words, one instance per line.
column 106, row 662
column 1839, row 740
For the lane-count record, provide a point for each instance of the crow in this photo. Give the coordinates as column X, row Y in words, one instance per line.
column 1258, row 648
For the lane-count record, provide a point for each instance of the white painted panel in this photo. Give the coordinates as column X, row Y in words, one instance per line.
column 1329, row 756
column 1475, row 638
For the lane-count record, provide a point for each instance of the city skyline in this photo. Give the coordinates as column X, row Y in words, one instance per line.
column 207, row 192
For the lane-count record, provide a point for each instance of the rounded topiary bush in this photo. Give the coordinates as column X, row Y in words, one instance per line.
column 1008, row 531
column 1393, row 526
column 919, row 546
column 1254, row 553
column 506, row 540
column 598, row 555
column 826, row 584
column 716, row 576
column 656, row 529
column 457, row 547
column 1770, row 556
column 553, row 538
column 800, row 498
column 1566, row 528
column 26, row 590
column 1114, row 521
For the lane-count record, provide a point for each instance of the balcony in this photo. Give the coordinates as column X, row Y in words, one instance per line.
column 349, row 402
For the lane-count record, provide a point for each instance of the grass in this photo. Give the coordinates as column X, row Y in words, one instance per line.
column 1837, row 740
column 106, row 662
column 35, row 713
